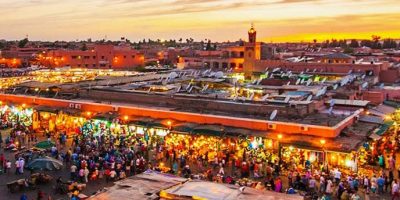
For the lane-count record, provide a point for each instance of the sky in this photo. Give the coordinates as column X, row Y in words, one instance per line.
column 218, row 20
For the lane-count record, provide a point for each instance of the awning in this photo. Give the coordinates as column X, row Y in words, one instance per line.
column 109, row 116
column 184, row 127
column 213, row 130
column 382, row 129
column 46, row 109
column 382, row 110
column 374, row 136
column 371, row 119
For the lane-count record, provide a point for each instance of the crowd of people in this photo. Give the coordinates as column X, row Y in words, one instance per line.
column 93, row 157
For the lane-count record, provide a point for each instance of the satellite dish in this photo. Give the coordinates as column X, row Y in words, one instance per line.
column 314, row 70
column 309, row 98
column 273, row 115
column 288, row 83
column 309, row 81
column 301, row 81
column 188, row 87
column 370, row 73
column 298, row 81
column 265, row 97
column 307, row 70
column 219, row 74
column 251, row 96
column 332, row 102
column 190, row 90
column 364, row 85
column 381, row 85
column 259, row 81
column 272, row 76
column 335, row 86
column 323, row 80
column 204, row 88
column 172, row 75
column 266, row 69
column 301, row 72
column 254, row 82
column 179, row 88
column 266, row 74
column 275, row 69
column 235, row 97
column 287, row 99
column 350, row 71
column 362, row 77
column 330, row 110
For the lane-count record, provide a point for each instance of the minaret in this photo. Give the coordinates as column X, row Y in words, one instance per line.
column 252, row 34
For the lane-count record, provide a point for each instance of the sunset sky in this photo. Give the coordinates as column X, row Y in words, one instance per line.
column 218, row 20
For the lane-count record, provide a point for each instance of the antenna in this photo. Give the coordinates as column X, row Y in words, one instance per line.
column 273, row 115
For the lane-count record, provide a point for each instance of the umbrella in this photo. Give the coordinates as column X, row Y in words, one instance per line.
column 45, row 144
column 45, row 163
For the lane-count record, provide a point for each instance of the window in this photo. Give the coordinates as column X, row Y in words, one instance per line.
column 94, row 57
column 74, row 57
column 86, row 65
column 86, row 57
column 94, row 65
column 133, row 56
column 102, row 57
column 124, row 57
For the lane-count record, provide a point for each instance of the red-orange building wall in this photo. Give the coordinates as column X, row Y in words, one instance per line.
column 100, row 56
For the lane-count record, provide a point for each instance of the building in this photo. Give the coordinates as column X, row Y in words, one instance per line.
column 97, row 56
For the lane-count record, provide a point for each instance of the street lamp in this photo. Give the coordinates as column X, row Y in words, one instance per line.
column 279, row 149
column 169, row 123
column 322, row 142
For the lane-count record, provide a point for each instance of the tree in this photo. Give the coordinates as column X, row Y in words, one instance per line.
column 84, row 47
column 348, row 50
column 180, row 40
column 208, row 47
column 354, row 43
column 22, row 43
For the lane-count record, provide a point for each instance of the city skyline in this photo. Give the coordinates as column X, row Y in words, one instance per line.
column 218, row 20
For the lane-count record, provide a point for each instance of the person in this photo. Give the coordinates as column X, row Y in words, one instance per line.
column 381, row 183
column 23, row 197
column 73, row 172
column 395, row 190
column 366, row 184
column 374, row 184
column 337, row 175
column 312, row 184
column 8, row 166
column 329, row 188
column 40, row 195
column 355, row 196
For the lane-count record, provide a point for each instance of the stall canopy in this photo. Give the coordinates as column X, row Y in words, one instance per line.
column 156, row 185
